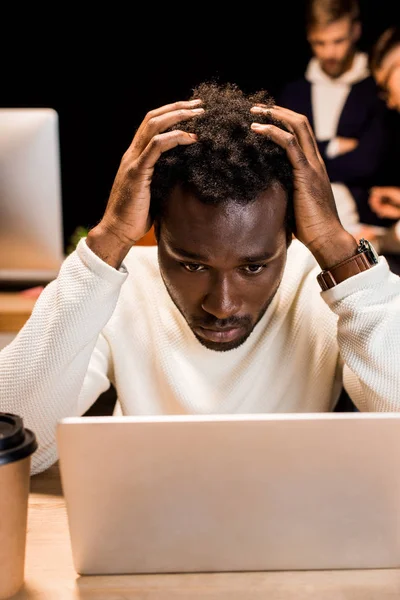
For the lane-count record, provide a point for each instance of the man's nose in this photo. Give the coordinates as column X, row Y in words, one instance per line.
column 328, row 52
column 223, row 299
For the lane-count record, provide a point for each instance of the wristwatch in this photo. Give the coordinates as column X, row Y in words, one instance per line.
column 365, row 258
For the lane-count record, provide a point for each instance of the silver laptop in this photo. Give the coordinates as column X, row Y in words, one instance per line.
column 232, row 493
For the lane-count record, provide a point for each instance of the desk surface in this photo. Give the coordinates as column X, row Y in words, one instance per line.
column 49, row 572
column 15, row 309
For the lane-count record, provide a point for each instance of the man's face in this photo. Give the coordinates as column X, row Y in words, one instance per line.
column 388, row 78
column 334, row 45
column 222, row 265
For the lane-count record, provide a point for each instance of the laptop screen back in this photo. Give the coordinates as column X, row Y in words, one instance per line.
column 232, row 493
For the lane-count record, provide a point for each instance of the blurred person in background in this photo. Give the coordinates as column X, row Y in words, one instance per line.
column 384, row 62
column 340, row 98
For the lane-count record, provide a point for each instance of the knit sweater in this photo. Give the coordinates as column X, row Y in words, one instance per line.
column 95, row 324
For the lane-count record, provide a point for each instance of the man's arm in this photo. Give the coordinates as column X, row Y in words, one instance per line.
column 43, row 370
column 368, row 308
column 367, row 302
column 367, row 155
column 57, row 364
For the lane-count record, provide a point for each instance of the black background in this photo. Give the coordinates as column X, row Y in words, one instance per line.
column 102, row 71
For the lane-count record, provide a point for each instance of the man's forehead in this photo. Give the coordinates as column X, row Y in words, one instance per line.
column 199, row 230
column 186, row 215
column 331, row 31
column 183, row 202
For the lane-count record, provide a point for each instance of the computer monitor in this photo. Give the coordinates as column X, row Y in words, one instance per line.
column 31, row 227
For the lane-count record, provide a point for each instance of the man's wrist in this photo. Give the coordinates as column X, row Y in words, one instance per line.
column 107, row 245
column 334, row 249
column 365, row 258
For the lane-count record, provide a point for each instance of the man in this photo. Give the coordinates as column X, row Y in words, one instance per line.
column 339, row 97
column 226, row 313
column 384, row 60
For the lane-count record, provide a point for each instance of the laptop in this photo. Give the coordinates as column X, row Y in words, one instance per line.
column 168, row 494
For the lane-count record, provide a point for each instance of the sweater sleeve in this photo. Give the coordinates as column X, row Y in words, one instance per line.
column 57, row 364
column 368, row 310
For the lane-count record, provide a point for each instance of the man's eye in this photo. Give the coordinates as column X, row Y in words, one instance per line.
column 193, row 267
column 254, row 269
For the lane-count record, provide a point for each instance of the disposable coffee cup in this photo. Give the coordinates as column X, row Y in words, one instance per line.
column 17, row 444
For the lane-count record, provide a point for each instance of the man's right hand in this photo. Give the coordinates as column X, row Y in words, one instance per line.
column 385, row 202
column 126, row 218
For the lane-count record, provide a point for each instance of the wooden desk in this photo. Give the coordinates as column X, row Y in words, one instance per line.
column 15, row 309
column 49, row 572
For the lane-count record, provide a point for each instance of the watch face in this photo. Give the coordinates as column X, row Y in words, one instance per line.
column 367, row 247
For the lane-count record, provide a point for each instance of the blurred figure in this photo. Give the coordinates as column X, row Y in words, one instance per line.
column 385, row 66
column 384, row 63
column 340, row 98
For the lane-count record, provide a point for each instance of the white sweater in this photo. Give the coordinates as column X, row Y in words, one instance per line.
column 95, row 324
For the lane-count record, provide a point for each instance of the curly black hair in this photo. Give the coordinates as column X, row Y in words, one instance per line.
column 229, row 162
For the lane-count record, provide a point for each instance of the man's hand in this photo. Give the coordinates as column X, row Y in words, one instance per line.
column 346, row 144
column 317, row 222
column 385, row 201
column 126, row 218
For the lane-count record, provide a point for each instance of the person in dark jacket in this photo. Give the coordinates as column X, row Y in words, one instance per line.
column 384, row 200
column 340, row 98
column 384, row 63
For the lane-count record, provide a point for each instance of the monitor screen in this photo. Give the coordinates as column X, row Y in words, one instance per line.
column 31, row 227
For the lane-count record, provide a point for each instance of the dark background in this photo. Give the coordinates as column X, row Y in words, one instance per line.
column 103, row 71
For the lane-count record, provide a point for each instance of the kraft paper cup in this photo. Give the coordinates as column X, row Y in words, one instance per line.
column 17, row 444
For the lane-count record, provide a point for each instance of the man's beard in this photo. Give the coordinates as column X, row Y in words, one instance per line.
column 333, row 69
column 209, row 321
column 336, row 68
column 231, row 322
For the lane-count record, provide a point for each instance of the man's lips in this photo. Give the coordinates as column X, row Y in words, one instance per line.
column 219, row 335
column 332, row 64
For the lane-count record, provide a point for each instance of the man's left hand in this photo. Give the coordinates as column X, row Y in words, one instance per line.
column 316, row 218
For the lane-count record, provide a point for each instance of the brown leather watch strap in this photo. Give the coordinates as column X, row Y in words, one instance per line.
column 356, row 264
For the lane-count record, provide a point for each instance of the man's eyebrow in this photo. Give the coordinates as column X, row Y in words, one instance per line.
column 188, row 254
column 255, row 258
